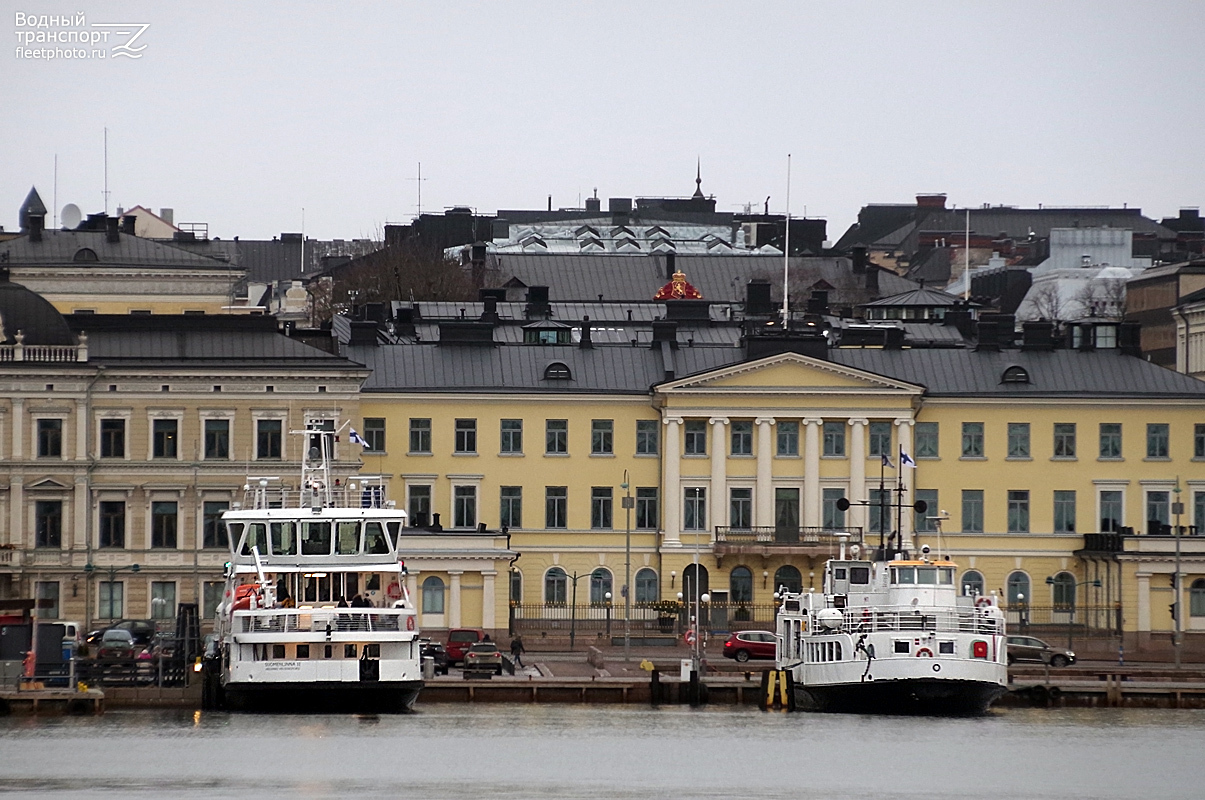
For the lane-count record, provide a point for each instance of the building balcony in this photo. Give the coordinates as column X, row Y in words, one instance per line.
column 777, row 540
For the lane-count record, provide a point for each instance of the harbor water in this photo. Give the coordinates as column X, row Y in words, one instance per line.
column 614, row 752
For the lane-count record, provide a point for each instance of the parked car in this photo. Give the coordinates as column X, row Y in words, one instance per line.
column 745, row 645
column 116, row 644
column 438, row 653
column 143, row 630
column 1029, row 648
column 459, row 641
column 482, row 656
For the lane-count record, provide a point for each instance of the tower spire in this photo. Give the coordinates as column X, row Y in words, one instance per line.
column 698, row 195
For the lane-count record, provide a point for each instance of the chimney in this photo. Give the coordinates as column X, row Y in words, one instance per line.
column 593, row 204
column 363, row 333
column 586, row 343
column 477, row 257
column 538, row 306
column 112, row 232
column 1006, row 327
column 168, row 215
column 127, row 224
column 620, row 205
column 1129, row 339
column 403, row 321
column 490, row 312
column 860, row 259
column 757, row 299
column 36, row 223
column 1037, row 335
column 665, row 331
column 435, row 526
column 989, row 339
column 872, row 280
column 930, row 201
column 669, row 266
column 893, row 338
column 818, row 302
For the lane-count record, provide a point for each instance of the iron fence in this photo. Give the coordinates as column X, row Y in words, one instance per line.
column 1087, row 620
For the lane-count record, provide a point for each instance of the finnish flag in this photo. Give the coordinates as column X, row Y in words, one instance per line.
column 887, row 461
column 906, row 460
column 356, row 438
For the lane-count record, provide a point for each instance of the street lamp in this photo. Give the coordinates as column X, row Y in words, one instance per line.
column 628, row 505
column 607, row 598
column 1071, row 616
column 1177, row 509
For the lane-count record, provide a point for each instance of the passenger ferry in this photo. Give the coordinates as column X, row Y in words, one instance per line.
column 315, row 614
column 892, row 635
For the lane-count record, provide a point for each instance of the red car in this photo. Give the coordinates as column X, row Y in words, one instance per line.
column 459, row 642
column 744, row 645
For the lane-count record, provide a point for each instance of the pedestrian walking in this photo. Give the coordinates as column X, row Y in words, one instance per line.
column 517, row 650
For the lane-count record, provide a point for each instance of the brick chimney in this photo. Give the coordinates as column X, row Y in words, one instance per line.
column 930, row 201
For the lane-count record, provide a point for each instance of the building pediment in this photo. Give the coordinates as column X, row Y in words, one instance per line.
column 46, row 485
column 788, row 373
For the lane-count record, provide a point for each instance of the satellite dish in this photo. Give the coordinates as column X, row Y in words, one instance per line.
column 71, row 216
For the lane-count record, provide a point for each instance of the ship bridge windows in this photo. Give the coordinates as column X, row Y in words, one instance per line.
column 859, row 575
column 923, row 576
column 257, row 537
column 284, row 539
column 315, row 538
column 375, row 542
column 347, row 542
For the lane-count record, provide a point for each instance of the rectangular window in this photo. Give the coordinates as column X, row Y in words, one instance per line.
column 926, row 440
column 1156, row 440
column 50, row 438
column 1110, row 440
column 1158, row 513
column 163, row 524
column 165, row 436
column 112, row 438
column 923, row 523
column 374, row 434
column 511, row 515
column 1064, row 512
column 268, row 438
column 880, row 439
column 1018, row 440
column 110, row 599
column 742, row 438
column 972, row 440
column 833, row 518
column 511, row 436
column 694, row 513
column 556, row 506
column 788, row 439
column 741, row 504
column 1018, row 512
column 1198, row 441
column 1110, row 511
column 972, row 510
column 47, row 595
column 211, row 595
column 1198, row 511
column 1064, row 440
column 217, row 438
column 600, row 507
column 466, row 436
column 163, row 599
column 647, row 516
column 48, row 523
column 419, row 505
column 556, row 436
column 646, row 437
column 879, row 514
column 602, row 433
column 420, row 435
column 464, row 506
column 834, row 439
column 695, row 443
column 112, row 531
column 213, row 533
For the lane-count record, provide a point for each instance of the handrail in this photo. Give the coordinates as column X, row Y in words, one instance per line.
column 774, row 534
column 321, row 620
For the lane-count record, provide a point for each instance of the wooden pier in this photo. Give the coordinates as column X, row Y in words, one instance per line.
column 51, row 701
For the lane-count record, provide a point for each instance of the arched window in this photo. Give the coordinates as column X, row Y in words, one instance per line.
column 600, row 585
column 972, row 583
column 1196, row 598
column 516, row 586
column 689, row 590
column 554, row 586
column 557, row 371
column 740, row 585
column 85, row 254
column 1063, row 590
column 433, row 595
column 646, row 586
column 789, row 578
column 1018, row 589
column 1015, row 374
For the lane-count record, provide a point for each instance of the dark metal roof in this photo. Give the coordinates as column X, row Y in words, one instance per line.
column 922, row 296
column 31, row 314
column 58, row 248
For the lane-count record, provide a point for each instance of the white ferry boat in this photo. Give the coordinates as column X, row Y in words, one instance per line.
column 315, row 613
column 894, row 636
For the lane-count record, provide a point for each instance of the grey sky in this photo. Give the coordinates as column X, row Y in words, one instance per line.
column 240, row 114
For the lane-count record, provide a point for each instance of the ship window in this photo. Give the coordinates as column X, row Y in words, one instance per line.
column 256, row 537
column 375, row 542
column 315, row 538
column 327, row 651
column 372, row 650
column 945, row 576
column 284, row 540
column 394, row 529
column 903, row 646
column 905, row 575
column 926, row 575
column 839, row 573
column 278, row 651
column 303, row 651
column 859, row 574
column 945, row 648
column 233, row 531
column 348, row 541
column 349, row 651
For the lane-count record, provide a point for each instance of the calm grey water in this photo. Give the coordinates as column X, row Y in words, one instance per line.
column 502, row 751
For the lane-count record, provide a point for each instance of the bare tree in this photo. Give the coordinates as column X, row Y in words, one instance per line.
column 1048, row 302
column 1103, row 297
column 402, row 272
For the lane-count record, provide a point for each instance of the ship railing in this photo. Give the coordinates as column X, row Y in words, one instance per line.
column 368, row 496
column 321, row 620
column 910, row 619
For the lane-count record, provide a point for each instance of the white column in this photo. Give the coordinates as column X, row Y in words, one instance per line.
column 77, row 537
column 412, row 587
column 719, row 482
column 763, row 513
column 1144, row 601
column 488, row 602
column 81, row 431
column 904, row 437
column 18, row 428
column 671, row 502
column 811, row 472
column 857, row 471
column 454, row 599
column 16, row 511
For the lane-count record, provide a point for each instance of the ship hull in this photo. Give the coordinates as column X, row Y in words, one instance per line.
column 324, row 697
column 921, row 696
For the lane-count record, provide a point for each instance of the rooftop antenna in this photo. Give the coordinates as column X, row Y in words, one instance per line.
column 55, row 205
column 786, row 252
column 106, row 192
column 303, row 240
column 966, row 261
column 420, row 180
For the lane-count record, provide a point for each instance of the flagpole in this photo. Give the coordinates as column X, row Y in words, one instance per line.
column 899, row 502
column 786, row 252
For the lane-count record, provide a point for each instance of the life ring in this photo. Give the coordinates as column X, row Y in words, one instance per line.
column 982, row 602
column 924, row 652
column 394, row 591
column 689, row 637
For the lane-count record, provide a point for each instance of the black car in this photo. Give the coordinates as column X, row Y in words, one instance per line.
column 438, row 653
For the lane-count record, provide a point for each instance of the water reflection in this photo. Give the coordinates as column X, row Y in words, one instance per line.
column 505, row 751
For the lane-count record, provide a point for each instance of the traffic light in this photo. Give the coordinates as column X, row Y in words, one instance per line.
column 1172, row 609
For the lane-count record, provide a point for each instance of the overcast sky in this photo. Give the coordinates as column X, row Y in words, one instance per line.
column 242, row 114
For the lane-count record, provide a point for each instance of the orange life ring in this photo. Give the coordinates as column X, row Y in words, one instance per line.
column 982, row 601
column 924, row 652
column 689, row 637
column 394, row 591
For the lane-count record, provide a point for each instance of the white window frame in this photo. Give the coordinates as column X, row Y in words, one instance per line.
column 109, row 413
column 227, row 414
column 152, row 416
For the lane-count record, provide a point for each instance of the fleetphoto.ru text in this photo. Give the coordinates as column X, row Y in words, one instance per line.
column 50, row 37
